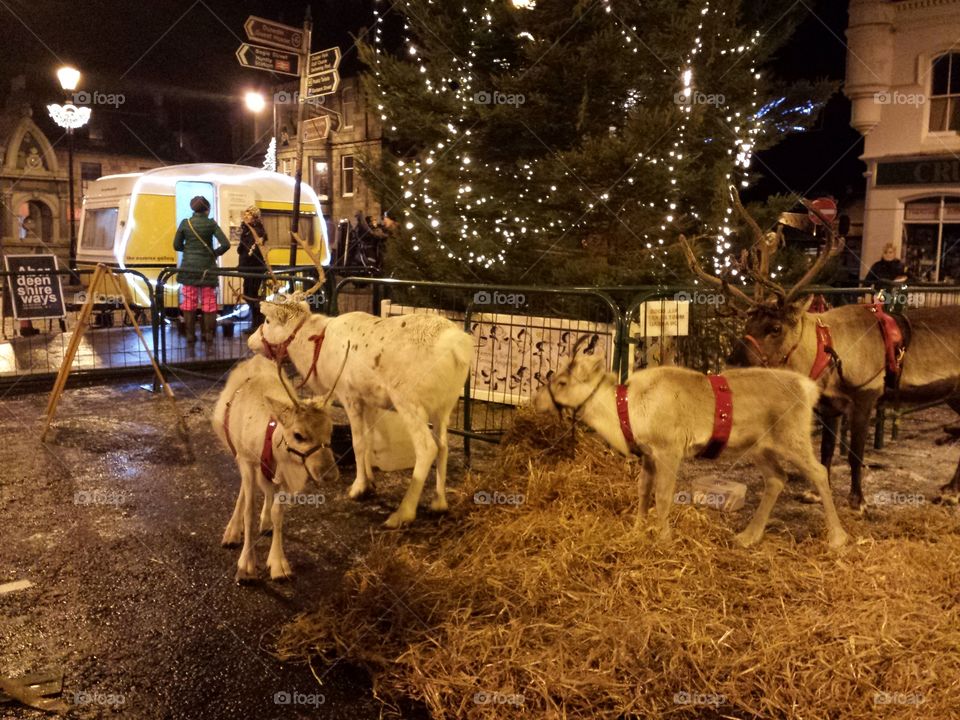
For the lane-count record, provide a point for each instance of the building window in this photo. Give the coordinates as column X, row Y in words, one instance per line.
column 346, row 176
column 931, row 236
column 945, row 93
column 321, row 178
column 348, row 100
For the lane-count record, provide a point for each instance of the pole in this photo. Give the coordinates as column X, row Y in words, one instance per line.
column 301, row 108
column 73, row 219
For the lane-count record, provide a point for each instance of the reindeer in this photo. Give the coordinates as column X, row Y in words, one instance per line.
column 844, row 349
column 666, row 414
column 414, row 364
column 279, row 443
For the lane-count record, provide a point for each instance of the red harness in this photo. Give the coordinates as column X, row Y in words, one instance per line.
column 317, row 341
column 722, row 417
column 267, row 464
column 824, row 355
column 278, row 352
column 892, row 340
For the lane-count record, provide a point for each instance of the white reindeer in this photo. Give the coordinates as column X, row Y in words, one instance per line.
column 413, row 364
column 671, row 416
column 276, row 458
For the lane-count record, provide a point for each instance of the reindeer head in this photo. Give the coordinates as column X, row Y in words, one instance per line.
column 573, row 386
column 773, row 314
column 306, row 429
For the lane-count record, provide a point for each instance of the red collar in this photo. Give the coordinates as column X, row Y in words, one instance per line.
column 624, row 415
column 267, row 466
column 317, row 341
column 278, row 352
column 722, row 417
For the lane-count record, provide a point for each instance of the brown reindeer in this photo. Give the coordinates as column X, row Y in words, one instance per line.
column 844, row 349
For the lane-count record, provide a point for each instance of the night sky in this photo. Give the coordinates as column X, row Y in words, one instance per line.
column 183, row 52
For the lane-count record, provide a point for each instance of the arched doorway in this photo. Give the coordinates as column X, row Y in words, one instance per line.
column 35, row 221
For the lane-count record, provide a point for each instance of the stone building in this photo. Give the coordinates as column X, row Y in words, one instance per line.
column 903, row 80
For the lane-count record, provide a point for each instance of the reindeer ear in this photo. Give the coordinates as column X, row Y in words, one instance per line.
column 587, row 366
column 282, row 410
column 798, row 308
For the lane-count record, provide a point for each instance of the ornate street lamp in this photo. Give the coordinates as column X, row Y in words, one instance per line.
column 70, row 117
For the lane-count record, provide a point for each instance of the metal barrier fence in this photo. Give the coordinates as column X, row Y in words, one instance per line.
column 522, row 334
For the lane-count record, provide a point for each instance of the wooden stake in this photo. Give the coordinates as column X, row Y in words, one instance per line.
column 82, row 323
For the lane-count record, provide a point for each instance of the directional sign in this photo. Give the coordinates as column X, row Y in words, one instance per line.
column 265, row 58
column 273, row 33
column 826, row 207
column 325, row 83
column 323, row 61
column 316, row 128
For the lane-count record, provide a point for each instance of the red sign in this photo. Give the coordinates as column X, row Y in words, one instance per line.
column 826, row 207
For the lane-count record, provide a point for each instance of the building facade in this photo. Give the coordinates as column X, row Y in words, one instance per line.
column 342, row 134
column 903, row 81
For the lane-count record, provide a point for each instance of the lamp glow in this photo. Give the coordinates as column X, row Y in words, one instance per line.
column 255, row 102
column 69, row 77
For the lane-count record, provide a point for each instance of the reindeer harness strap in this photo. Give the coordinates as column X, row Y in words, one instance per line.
column 825, row 352
column 624, row 414
column 894, row 344
column 317, row 341
column 267, row 466
column 278, row 351
column 722, row 417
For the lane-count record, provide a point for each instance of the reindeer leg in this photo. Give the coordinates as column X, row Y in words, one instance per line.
column 266, row 526
column 665, row 485
column 370, row 417
column 950, row 493
column 645, row 489
column 232, row 535
column 426, row 450
column 443, row 449
column 358, row 432
column 247, row 564
column 774, row 477
column 277, row 560
column 816, row 474
column 859, row 427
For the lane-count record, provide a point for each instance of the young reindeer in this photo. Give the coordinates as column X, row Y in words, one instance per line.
column 846, row 350
column 414, row 364
column 666, row 414
column 279, row 442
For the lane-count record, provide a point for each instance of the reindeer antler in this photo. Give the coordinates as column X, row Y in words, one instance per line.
column 721, row 283
column 833, row 248
column 283, row 381
column 303, row 294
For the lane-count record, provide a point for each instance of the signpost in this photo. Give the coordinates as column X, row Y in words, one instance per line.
column 826, row 207
column 276, row 34
column 324, row 60
column 324, row 83
column 318, row 77
column 259, row 57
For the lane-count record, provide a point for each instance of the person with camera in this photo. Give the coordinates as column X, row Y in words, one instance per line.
column 252, row 236
column 198, row 266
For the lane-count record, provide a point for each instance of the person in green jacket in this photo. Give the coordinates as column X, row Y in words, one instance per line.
column 194, row 239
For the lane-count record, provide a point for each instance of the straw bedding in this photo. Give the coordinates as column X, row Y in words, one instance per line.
column 559, row 607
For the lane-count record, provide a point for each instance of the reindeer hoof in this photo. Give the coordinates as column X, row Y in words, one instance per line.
column 838, row 539
column 439, row 505
column 397, row 520
column 244, row 577
column 857, row 503
column 947, row 497
column 746, row 539
column 231, row 539
column 281, row 572
column 358, row 491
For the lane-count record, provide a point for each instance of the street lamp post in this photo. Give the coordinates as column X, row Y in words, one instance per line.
column 70, row 117
column 255, row 103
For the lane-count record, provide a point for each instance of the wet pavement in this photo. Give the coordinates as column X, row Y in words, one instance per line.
column 133, row 599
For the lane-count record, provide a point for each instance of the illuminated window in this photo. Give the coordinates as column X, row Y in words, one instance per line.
column 945, row 93
column 931, row 235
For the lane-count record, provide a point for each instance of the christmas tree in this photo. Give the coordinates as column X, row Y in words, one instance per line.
column 560, row 141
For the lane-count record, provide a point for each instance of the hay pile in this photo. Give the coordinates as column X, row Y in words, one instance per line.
column 559, row 608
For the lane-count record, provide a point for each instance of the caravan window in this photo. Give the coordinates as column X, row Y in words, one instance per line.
column 277, row 226
column 99, row 228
